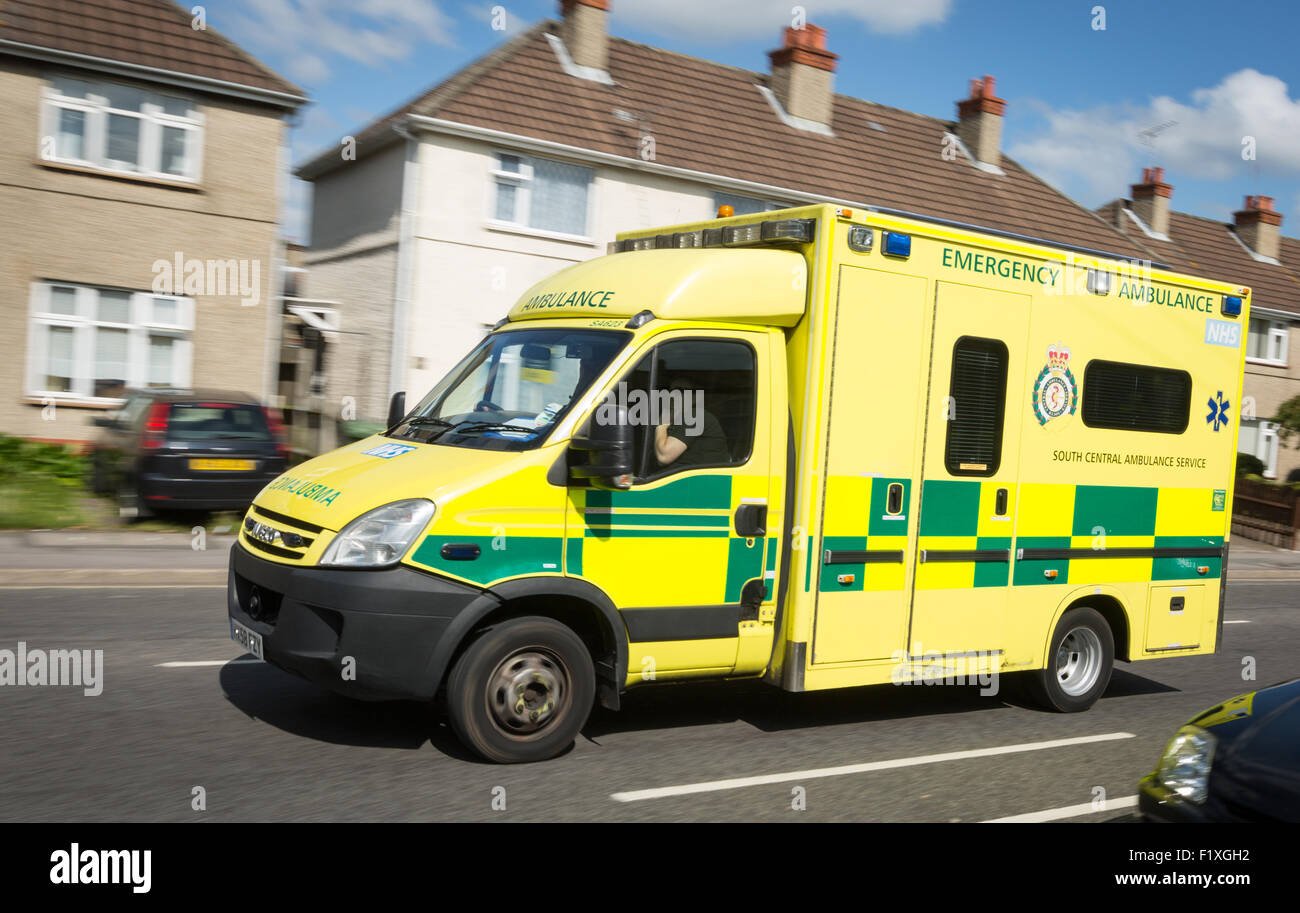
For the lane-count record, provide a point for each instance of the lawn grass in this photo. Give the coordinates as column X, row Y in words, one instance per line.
column 40, row 502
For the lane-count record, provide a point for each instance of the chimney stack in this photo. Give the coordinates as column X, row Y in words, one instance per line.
column 585, row 32
column 1151, row 200
column 979, row 121
column 803, row 74
column 1259, row 226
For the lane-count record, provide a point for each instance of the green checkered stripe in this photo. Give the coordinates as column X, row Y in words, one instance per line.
column 877, row 527
column 951, row 508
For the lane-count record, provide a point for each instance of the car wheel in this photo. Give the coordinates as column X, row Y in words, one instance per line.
column 521, row 691
column 132, row 504
column 1079, row 662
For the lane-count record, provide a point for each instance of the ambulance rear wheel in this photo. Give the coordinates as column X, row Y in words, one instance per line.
column 1079, row 662
column 521, row 691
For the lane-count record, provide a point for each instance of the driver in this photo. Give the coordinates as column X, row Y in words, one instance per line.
column 701, row 443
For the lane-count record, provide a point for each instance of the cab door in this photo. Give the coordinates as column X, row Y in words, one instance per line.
column 968, row 477
column 685, row 552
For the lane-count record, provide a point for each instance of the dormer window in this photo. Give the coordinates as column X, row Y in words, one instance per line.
column 121, row 129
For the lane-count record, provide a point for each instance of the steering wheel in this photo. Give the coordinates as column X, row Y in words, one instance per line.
column 487, row 406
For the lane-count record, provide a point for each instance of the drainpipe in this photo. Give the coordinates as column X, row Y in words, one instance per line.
column 405, row 265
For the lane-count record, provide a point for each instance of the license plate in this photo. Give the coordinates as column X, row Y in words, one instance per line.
column 223, row 465
column 249, row 640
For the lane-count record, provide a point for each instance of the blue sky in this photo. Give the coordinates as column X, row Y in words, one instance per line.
column 1078, row 96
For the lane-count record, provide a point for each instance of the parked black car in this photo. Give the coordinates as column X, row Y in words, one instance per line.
column 168, row 449
column 1239, row 761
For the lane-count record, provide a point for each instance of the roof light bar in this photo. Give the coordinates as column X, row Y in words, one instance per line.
column 1231, row 306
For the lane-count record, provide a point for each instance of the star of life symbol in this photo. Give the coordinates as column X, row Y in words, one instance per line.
column 1056, row 392
column 1218, row 416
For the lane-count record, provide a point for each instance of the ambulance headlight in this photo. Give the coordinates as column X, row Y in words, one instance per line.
column 1185, row 767
column 379, row 537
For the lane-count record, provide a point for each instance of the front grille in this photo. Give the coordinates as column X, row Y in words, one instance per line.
column 283, row 543
column 288, row 521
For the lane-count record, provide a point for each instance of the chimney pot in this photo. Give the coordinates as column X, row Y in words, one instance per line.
column 584, row 30
column 803, row 74
column 1259, row 226
column 979, row 121
column 1151, row 199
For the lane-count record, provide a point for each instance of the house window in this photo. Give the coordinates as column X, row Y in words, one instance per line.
column 541, row 194
column 1267, row 340
column 120, row 128
column 744, row 206
column 1259, row 439
column 89, row 343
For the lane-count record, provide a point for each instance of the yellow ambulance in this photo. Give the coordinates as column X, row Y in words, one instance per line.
column 819, row 446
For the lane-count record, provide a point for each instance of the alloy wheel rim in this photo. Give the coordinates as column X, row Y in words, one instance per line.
column 1078, row 661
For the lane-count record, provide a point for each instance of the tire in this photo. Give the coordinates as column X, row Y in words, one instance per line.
column 130, row 497
column 550, row 671
column 1079, row 663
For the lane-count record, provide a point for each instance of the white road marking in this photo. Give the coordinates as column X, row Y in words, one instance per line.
column 789, row 776
column 205, row 662
column 1069, row 811
column 1235, row 621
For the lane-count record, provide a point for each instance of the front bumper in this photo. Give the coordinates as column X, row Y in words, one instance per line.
column 200, row 494
column 313, row 620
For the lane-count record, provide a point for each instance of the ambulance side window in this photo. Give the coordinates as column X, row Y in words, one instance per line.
column 976, row 407
column 1136, row 397
column 704, row 395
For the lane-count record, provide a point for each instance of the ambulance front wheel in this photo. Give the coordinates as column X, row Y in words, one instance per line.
column 521, row 691
column 1079, row 662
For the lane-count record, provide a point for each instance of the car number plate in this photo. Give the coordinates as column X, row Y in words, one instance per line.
column 249, row 640
column 223, row 465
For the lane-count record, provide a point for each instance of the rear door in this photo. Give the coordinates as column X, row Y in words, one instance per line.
column 969, row 467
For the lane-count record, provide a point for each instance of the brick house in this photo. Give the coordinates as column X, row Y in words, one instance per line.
column 139, row 206
column 1249, row 251
column 534, row 156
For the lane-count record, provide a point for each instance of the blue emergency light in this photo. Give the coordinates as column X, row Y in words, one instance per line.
column 896, row 245
column 1231, row 306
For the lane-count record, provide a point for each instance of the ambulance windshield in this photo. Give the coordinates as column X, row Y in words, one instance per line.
column 512, row 389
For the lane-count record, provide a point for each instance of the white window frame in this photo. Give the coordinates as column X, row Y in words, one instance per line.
column 1276, row 339
column 522, row 180
column 152, row 116
column 85, row 321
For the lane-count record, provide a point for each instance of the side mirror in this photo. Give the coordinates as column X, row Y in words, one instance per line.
column 104, row 421
column 606, row 454
column 397, row 408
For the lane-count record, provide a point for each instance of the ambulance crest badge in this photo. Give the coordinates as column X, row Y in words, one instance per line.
column 1056, row 392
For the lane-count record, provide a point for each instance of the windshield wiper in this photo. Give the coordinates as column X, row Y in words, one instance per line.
column 427, row 420
column 494, row 426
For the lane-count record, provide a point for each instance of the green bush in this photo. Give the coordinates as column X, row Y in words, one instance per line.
column 23, row 459
column 1248, row 464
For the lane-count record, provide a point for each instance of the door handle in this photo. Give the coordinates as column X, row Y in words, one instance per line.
column 751, row 519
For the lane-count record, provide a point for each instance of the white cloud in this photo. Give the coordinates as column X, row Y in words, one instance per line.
column 1100, row 149
column 724, row 20
column 304, row 34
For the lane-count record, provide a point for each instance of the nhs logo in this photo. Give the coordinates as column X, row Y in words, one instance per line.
column 1223, row 333
column 388, row 451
